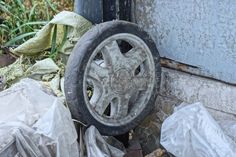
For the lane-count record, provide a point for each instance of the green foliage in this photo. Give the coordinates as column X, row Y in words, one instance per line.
column 54, row 47
column 23, row 18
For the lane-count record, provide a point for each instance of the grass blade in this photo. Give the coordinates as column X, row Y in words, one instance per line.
column 18, row 38
column 29, row 24
column 18, row 26
column 47, row 11
column 20, row 4
column 64, row 37
column 51, row 6
column 32, row 11
column 4, row 9
column 54, row 42
column 3, row 26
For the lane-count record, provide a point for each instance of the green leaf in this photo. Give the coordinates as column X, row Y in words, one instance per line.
column 29, row 24
column 20, row 4
column 54, row 43
column 64, row 37
column 3, row 26
column 4, row 9
column 47, row 11
column 32, row 11
column 18, row 26
column 51, row 5
column 18, row 38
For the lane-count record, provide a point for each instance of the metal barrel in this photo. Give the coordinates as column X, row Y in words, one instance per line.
column 98, row 11
column 90, row 9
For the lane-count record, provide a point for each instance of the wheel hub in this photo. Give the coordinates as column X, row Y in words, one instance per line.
column 121, row 81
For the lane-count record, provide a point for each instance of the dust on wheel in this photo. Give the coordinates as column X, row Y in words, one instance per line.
column 113, row 77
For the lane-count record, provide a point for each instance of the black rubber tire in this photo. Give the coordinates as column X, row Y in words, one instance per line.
column 77, row 64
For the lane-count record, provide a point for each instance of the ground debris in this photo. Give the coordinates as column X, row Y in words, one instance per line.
column 97, row 146
column 2, row 83
column 13, row 72
column 6, row 59
column 157, row 153
column 37, row 59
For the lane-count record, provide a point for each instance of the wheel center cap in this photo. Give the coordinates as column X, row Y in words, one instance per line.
column 121, row 81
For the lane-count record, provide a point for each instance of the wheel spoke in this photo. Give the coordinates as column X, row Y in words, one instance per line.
column 97, row 72
column 112, row 54
column 102, row 103
column 97, row 92
column 135, row 57
column 123, row 106
column 141, row 83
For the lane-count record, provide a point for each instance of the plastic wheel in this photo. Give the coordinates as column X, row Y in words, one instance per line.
column 113, row 77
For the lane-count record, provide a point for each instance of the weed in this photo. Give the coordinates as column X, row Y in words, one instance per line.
column 23, row 18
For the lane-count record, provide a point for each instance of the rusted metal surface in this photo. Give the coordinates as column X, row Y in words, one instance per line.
column 165, row 62
column 171, row 64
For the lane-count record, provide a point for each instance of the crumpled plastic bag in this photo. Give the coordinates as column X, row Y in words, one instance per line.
column 77, row 26
column 229, row 127
column 98, row 147
column 192, row 132
column 45, row 66
column 57, row 124
column 35, row 123
column 18, row 139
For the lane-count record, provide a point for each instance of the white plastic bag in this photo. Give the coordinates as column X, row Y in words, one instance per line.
column 192, row 132
column 98, row 147
column 35, row 123
column 229, row 127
